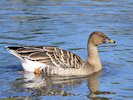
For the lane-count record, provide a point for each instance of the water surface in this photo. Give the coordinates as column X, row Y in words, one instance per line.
column 67, row 24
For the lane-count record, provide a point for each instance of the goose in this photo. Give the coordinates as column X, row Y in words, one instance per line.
column 50, row 60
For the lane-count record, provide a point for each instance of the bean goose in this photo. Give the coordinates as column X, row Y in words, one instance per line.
column 51, row 60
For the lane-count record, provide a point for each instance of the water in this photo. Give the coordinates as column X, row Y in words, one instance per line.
column 67, row 24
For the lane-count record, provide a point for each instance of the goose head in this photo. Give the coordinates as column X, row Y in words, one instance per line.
column 96, row 38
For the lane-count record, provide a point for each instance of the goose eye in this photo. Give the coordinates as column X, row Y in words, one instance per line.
column 106, row 37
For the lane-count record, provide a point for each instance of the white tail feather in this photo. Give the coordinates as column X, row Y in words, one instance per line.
column 28, row 65
column 15, row 54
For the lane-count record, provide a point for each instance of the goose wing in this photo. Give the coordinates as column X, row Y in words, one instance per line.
column 49, row 55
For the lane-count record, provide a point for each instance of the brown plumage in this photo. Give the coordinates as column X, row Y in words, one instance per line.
column 52, row 60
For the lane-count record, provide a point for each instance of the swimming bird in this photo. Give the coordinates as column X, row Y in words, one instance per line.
column 51, row 60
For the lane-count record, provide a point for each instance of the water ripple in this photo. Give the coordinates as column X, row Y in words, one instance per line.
column 67, row 24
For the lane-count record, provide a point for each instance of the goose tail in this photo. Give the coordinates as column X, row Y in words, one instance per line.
column 13, row 50
column 27, row 64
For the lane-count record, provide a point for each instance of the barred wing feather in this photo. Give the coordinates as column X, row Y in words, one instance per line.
column 51, row 55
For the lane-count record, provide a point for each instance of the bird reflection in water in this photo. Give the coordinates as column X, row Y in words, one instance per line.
column 60, row 85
